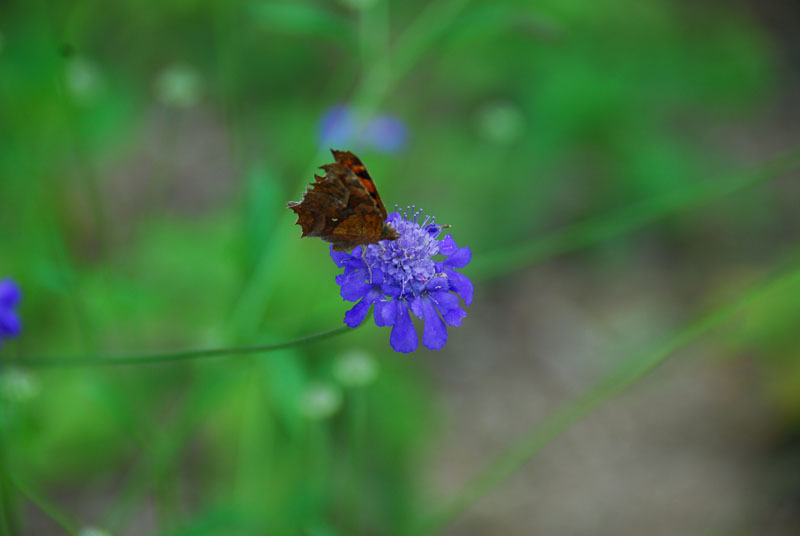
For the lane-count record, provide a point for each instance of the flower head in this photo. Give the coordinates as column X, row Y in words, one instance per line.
column 9, row 298
column 342, row 126
column 401, row 276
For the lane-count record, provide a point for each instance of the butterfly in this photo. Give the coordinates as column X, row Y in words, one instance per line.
column 343, row 207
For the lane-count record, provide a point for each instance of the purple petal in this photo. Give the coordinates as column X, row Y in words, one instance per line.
column 416, row 307
column 385, row 312
column 404, row 337
column 9, row 323
column 434, row 334
column 448, row 245
column 459, row 259
column 437, row 283
column 385, row 133
column 444, row 300
column 460, row 284
column 350, row 275
column 337, row 127
column 393, row 291
column 354, row 273
column 353, row 290
column 9, row 293
column 377, row 276
column 340, row 257
column 447, row 304
column 453, row 317
column 357, row 314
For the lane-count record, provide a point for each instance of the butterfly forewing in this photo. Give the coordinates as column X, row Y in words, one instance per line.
column 343, row 207
column 354, row 164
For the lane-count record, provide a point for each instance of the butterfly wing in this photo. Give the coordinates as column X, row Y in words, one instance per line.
column 341, row 207
column 359, row 170
column 322, row 206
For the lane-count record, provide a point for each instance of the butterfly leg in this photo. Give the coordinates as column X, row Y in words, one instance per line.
column 364, row 258
column 383, row 250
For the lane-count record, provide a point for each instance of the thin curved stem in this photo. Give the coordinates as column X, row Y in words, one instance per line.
column 60, row 517
column 635, row 216
column 629, row 372
column 173, row 357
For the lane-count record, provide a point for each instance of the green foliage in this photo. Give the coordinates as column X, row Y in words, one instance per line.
column 521, row 118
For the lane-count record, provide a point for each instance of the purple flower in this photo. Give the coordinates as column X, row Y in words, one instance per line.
column 9, row 298
column 386, row 133
column 400, row 277
column 341, row 127
column 337, row 127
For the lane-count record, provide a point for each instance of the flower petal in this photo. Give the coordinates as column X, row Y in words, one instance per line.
column 386, row 133
column 448, row 245
column 385, row 312
column 357, row 313
column 9, row 293
column 460, row 284
column 447, row 304
column 434, row 334
column 391, row 290
column 453, row 317
column 353, row 290
column 416, row 307
column 459, row 258
column 337, row 127
column 444, row 300
column 404, row 336
column 340, row 257
column 9, row 323
column 377, row 276
column 439, row 282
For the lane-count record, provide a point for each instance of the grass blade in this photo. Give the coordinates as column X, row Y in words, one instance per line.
column 596, row 230
column 625, row 375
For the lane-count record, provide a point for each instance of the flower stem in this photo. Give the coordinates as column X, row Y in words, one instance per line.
column 625, row 375
column 359, row 477
column 62, row 519
column 173, row 357
column 596, row 230
column 7, row 499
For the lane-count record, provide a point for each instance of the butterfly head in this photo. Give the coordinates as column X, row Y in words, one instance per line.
column 389, row 233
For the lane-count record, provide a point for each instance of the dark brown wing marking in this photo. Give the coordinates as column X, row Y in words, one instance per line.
column 354, row 164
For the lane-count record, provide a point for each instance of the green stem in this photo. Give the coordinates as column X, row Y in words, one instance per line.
column 320, row 457
column 90, row 181
column 174, row 357
column 625, row 375
column 167, row 440
column 435, row 18
column 61, row 518
column 580, row 235
column 358, row 481
column 247, row 444
column 7, row 509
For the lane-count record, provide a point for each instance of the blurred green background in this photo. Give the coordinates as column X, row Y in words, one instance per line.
column 147, row 151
